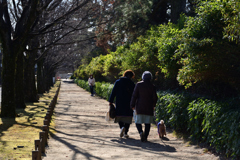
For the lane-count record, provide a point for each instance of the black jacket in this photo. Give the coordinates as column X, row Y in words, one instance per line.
column 122, row 90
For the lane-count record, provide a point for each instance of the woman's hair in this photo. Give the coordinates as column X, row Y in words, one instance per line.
column 129, row 73
column 146, row 75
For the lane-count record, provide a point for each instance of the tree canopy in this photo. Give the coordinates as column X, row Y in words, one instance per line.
column 200, row 52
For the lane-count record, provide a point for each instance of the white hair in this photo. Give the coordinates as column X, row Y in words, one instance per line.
column 147, row 75
column 161, row 122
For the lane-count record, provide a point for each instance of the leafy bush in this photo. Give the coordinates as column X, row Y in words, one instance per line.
column 172, row 108
column 83, row 84
column 95, row 67
column 167, row 43
column 111, row 67
column 213, row 122
column 141, row 56
column 102, row 89
column 202, row 114
column 204, row 54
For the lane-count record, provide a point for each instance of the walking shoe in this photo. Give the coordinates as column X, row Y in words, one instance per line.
column 126, row 135
column 142, row 136
column 122, row 132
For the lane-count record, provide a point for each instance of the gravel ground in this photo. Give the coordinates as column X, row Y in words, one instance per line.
column 83, row 134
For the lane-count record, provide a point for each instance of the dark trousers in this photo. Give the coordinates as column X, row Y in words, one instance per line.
column 125, row 125
column 146, row 131
column 91, row 89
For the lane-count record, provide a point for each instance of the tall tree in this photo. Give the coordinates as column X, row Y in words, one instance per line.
column 177, row 7
column 0, row 63
column 14, row 39
column 19, row 85
column 131, row 18
column 18, row 21
column 30, row 91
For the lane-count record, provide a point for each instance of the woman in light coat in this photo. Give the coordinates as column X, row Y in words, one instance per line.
column 91, row 83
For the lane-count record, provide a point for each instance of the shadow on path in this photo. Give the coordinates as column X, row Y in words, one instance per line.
column 74, row 148
column 149, row 146
column 68, row 81
column 6, row 124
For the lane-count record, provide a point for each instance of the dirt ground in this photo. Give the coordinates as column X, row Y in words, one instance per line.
column 83, row 134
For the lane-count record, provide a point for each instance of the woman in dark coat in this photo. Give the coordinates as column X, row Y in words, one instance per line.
column 143, row 103
column 122, row 90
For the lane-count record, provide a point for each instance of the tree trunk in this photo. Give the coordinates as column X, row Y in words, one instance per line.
column 1, row 69
column 46, row 77
column 46, row 81
column 14, row 36
column 19, row 92
column 177, row 7
column 51, row 80
column 29, row 78
column 8, row 80
column 0, row 75
column 40, row 85
column 159, row 13
column 29, row 73
column 163, row 18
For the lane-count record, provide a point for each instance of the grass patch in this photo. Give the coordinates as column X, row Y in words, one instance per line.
column 17, row 137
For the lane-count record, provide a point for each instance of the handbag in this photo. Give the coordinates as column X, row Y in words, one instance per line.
column 112, row 111
column 107, row 117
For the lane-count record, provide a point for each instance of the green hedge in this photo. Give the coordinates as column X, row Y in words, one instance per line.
column 209, row 121
column 102, row 89
column 172, row 108
column 83, row 84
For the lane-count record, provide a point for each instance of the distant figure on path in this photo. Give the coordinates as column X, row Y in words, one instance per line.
column 91, row 83
column 122, row 90
column 143, row 103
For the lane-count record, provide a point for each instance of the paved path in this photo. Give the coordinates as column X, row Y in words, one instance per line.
column 83, row 134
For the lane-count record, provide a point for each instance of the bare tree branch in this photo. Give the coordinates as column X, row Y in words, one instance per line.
column 15, row 13
column 25, row 22
column 62, row 17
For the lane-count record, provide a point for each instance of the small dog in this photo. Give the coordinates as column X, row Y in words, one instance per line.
column 161, row 129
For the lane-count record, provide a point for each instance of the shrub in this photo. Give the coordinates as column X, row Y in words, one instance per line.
column 213, row 122
column 204, row 54
column 102, row 89
column 172, row 108
column 83, row 84
column 202, row 114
